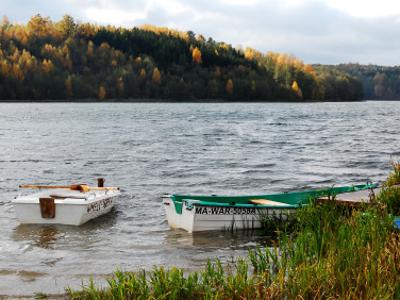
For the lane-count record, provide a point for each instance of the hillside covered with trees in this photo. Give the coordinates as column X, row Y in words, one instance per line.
column 380, row 83
column 67, row 60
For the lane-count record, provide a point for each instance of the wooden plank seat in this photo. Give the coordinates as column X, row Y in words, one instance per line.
column 67, row 195
column 341, row 202
column 352, row 199
column 268, row 202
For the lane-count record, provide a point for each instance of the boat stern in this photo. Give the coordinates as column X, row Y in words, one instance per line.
column 179, row 214
column 29, row 211
column 61, row 207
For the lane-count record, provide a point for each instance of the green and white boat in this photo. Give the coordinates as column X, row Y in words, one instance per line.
column 202, row 213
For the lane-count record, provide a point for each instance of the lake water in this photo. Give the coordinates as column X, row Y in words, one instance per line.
column 152, row 149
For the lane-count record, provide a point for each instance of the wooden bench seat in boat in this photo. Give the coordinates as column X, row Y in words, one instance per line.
column 68, row 195
column 268, row 202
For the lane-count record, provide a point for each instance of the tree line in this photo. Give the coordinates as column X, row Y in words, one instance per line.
column 69, row 60
column 379, row 82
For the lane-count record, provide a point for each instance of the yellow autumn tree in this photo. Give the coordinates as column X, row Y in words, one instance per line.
column 229, row 86
column 48, row 49
column 251, row 54
column 296, row 89
column 4, row 68
column 47, row 66
column 17, row 73
column 196, row 55
column 27, row 61
column 102, row 92
column 39, row 26
column 156, row 76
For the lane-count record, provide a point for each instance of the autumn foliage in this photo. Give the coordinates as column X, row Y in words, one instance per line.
column 379, row 82
column 68, row 60
column 156, row 76
column 296, row 89
column 196, row 55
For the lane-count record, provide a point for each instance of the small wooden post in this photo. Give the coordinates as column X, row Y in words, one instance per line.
column 47, row 208
column 100, row 182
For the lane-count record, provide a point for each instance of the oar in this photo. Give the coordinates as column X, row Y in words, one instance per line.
column 86, row 188
column 34, row 186
column 76, row 187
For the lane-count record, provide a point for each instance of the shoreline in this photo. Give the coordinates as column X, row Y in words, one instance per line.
column 34, row 296
column 183, row 101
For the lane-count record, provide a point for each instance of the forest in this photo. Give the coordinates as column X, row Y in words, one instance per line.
column 379, row 82
column 74, row 61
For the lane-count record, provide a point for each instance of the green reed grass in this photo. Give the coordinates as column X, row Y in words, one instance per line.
column 329, row 252
column 332, row 254
column 394, row 176
column 390, row 194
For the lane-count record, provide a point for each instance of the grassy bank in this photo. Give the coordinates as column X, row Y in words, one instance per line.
column 331, row 253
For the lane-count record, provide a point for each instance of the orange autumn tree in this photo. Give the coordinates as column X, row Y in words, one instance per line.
column 196, row 55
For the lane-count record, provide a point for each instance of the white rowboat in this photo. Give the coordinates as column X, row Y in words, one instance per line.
column 196, row 216
column 203, row 212
column 64, row 206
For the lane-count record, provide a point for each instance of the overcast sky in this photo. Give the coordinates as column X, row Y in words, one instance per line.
column 317, row 31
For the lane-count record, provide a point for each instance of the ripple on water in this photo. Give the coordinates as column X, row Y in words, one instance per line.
column 152, row 149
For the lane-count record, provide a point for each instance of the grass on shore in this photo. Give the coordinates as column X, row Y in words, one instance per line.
column 332, row 253
column 390, row 196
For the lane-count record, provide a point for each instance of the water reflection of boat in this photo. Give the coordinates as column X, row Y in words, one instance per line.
column 68, row 205
column 217, row 240
column 49, row 236
column 43, row 236
column 202, row 213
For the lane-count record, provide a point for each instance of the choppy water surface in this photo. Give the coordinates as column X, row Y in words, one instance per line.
column 152, row 149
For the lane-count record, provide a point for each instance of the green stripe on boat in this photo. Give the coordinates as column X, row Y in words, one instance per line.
column 289, row 200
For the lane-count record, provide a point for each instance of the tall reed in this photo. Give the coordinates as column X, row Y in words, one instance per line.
column 390, row 194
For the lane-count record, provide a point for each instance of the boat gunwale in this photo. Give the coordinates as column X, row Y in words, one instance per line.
column 193, row 202
column 34, row 198
column 305, row 197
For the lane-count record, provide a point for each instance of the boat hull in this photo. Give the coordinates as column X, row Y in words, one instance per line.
column 67, row 211
column 196, row 218
column 211, row 212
